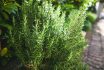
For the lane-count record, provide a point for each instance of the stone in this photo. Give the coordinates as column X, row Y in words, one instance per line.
column 94, row 55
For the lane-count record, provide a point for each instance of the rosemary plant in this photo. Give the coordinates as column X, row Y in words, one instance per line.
column 45, row 40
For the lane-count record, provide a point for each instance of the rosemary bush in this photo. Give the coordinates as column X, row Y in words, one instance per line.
column 45, row 40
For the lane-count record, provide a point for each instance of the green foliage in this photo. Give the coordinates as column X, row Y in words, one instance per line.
column 69, row 5
column 87, row 25
column 46, row 40
column 3, row 51
column 6, row 25
column 91, row 17
column 43, row 38
column 10, row 7
column 6, row 9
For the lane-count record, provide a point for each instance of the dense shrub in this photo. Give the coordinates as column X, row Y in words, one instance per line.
column 41, row 35
column 46, row 40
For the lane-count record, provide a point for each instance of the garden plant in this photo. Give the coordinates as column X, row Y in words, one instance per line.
column 43, row 35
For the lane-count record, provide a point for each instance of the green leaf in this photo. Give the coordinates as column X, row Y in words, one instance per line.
column 87, row 25
column 91, row 17
column 11, row 7
column 5, row 15
column 6, row 25
column 3, row 51
column 9, row 27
